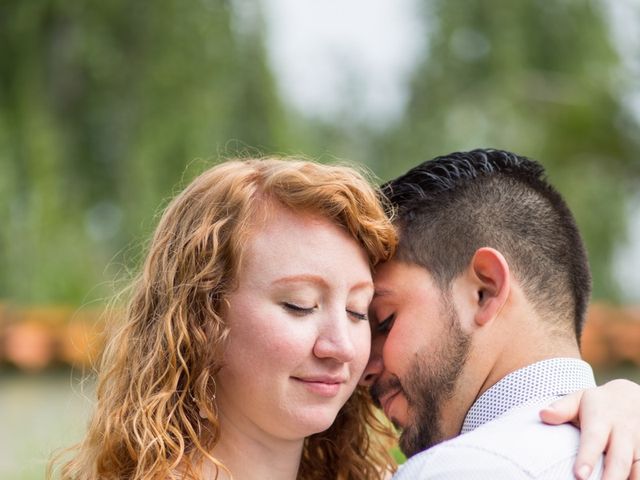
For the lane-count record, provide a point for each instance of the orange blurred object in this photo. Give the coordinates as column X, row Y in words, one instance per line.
column 80, row 342
column 612, row 335
column 29, row 345
column 35, row 338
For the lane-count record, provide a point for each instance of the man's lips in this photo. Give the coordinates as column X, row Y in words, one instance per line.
column 387, row 399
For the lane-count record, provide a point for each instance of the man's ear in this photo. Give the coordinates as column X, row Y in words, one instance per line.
column 492, row 278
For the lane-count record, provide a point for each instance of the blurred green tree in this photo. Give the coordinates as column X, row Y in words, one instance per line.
column 102, row 104
column 537, row 78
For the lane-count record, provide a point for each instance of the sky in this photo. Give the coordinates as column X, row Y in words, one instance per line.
column 317, row 49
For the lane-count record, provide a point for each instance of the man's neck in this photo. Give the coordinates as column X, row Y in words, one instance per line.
column 537, row 383
column 518, row 356
column 517, row 343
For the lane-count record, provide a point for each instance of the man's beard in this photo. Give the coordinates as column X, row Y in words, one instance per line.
column 430, row 382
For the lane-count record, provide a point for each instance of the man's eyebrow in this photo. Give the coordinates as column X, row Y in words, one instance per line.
column 382, row 292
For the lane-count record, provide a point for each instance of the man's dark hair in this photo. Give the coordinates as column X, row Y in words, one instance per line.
column 448, row 207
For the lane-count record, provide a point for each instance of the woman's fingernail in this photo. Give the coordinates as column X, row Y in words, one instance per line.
column 583, row 472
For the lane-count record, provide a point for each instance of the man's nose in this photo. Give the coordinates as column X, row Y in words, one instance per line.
column 375, row 366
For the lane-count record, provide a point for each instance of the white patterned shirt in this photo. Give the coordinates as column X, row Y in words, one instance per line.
column 502, row 436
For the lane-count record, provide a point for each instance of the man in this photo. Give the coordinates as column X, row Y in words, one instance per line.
column 477, row 319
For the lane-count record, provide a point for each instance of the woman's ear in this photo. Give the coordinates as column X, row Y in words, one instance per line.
column 492, row 278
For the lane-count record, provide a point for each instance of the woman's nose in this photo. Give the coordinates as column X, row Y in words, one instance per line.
column 335, row 341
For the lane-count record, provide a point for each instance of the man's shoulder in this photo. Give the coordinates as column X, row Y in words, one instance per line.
column 516, row 445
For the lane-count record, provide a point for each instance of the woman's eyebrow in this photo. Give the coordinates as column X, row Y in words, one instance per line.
column 302, row 278
column 318, row 280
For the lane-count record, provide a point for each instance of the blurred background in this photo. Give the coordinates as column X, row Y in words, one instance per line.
column 108, row 108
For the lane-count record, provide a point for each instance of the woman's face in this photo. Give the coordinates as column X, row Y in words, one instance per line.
column 299, row 337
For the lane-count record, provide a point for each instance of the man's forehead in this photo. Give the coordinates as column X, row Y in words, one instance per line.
column 389, row 277
column 394, row 277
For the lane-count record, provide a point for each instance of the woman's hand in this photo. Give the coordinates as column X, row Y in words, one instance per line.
column 609, row 419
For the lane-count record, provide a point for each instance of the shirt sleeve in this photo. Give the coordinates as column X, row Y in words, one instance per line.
column 457, row 462
column 461, row 462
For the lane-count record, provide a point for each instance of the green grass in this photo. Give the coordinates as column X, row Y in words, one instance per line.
column 39, row 414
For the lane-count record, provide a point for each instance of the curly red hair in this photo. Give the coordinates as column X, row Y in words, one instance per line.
column 158, row 369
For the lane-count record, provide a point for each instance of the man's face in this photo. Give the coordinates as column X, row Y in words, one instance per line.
column 418, row 352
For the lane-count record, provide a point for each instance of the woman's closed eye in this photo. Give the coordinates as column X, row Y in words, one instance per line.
column 298, row 309
column 358, row 315
column 301, row 310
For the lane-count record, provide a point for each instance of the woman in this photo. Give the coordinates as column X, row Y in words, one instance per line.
column 247, row 333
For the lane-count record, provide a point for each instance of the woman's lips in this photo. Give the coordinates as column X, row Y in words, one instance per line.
column 324, row 386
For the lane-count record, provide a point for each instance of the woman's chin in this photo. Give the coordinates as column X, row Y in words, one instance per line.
column 314, row 422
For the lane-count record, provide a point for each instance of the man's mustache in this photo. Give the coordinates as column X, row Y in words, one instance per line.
column 380, row 387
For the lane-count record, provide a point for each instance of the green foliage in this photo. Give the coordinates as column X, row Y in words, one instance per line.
column 108, row 107
column 536, row 78
column 102, row 106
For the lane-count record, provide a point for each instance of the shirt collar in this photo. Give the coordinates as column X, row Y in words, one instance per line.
column 544, row 379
